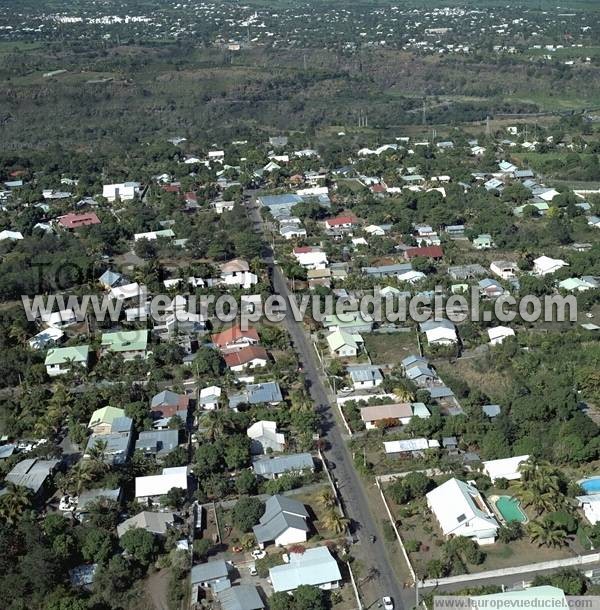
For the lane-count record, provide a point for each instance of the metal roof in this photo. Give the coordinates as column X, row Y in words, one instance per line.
column 315, row 567
column 242, row 597
column 211, row 570
column 284, row 463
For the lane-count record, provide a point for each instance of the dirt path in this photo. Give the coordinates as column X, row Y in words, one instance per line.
column 156, row 589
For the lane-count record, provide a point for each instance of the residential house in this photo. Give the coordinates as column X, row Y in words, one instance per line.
column 590, row 504
column 46, row 338
column 210, row 398
column 545, row 265
column 264, row 438
column 124, row 292
column 352, row 322
column 364, row 376
column 114, row 441
column 497, row 334
column 505, row 270
column 250, row 357
column 75, row 221
column 412, row 447
column 490, row 288
column 242, row 597
column 284, row 522
column 33, row 474
column 89, row 497
column 506, row 468
column 464, row 272
column 125, row 191
column 483, row 242
column 387, row 270
column 11, row 235
column 157, row 443
column 167, row 404
column 344, row 344
column 461, row 510
column 310, row 257
column 340, row 223
column 315, row 567
column 110, row 279
column 236, row 272
column 129, row 344
column 60, row 360
column 155, row 523
column 574, row 284
column 544, row 596
column 272, row 467
column 60, row 319
column 442, row 332
column 379, row 415
column 433, row 252
column 154, row 235
column 268, row 393
column 102, row 419
column 151, row 488
column 214, row 575
column 234, row 338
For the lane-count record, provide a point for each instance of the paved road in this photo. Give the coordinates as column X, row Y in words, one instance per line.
column 372, row 555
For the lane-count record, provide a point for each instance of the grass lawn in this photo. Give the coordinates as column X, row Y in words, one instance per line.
column 390, row 348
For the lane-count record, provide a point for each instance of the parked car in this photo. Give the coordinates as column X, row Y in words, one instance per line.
column 258, row 553
column 388, row 603
column 252, row 570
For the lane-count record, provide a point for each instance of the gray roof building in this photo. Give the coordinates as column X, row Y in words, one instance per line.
column 32, row 473
column 157, row 442
column 211, row 571
column 243, row 597
column 257, row 393
column 383, row 270
column 281, row 514
column 155, row 523
column 272, row 467
column 363, row 373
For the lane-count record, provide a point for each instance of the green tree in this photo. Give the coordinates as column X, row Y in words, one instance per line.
column 247, row 512
column 140, row 544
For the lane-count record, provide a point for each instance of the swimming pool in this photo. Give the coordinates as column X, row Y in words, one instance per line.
column 510, row 509
column 590, row 485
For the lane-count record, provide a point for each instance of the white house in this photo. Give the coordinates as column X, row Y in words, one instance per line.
column 263, row 435
column 441, row 335
column 128, row 291
column 210, row 397
column 154, row 486
column 506, row 468
column 544, row 265
column 60, row 319
column 48, row 336
column 461, row 511
column 499, row 333
column 310, row 257
column 504, row 269
column 12, row 235
column 59, row 360
column 125, row 191
column 316, row 567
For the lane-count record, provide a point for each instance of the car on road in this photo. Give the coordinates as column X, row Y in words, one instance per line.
column 252, row 570
column 258, row 553
column 388, row 603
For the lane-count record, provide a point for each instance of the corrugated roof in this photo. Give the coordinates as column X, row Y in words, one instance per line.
column 315, row 567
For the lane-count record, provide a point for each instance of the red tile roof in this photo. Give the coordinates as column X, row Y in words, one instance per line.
column 426, row 252
column 245, row 355
column 340, row 220
column 233, row 334
column 74, row 221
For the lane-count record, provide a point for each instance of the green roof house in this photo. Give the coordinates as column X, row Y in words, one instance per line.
column 130, row 344
column 344, row 344
column 59, row 359
column 102, row 419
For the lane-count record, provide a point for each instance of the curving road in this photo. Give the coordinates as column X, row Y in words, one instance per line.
column 372, row 555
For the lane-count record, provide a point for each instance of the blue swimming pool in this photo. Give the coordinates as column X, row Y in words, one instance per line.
column 590, row 485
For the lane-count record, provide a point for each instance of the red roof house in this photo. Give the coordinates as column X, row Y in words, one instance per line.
column 234, row 338
column 340, row 222
column 434, row 252
column 253, row 355
column 74, row 221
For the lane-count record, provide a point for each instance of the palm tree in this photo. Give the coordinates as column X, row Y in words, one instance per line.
column 335, row 522
column 218, row 423
column 81, row 476
column 14, row 502
column 97, row 453
column 547, row 533
column 327, row 499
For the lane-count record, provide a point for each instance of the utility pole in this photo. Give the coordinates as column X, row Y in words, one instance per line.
column 304, row 61
column 424, row 111
column 487, row 125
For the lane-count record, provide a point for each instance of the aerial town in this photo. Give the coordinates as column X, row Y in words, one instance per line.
column 280, row 331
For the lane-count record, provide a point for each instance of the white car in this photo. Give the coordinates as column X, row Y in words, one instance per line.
column 259, row 553
column 252, row 570
column 388, row 603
